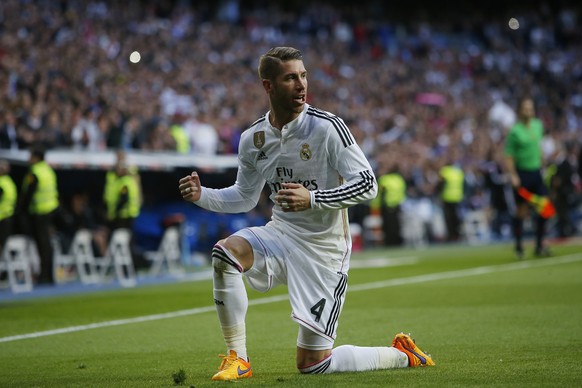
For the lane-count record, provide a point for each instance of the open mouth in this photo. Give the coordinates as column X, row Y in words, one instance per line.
column 300, row 99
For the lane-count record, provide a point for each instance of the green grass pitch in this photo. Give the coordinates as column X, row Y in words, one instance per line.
column 487, row 320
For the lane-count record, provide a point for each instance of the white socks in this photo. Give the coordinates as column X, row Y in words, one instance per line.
column 349, row 358
column 231, row 300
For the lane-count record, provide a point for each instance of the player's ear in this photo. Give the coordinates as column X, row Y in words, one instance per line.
column 267, row 85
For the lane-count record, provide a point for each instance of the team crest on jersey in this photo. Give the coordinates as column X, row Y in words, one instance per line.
column 259, row 139
column 305, row 153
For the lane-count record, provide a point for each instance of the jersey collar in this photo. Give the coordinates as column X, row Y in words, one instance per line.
column 292, row 125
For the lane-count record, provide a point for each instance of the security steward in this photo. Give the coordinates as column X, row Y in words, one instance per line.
column 452, row 194
column 40, row 202
column 122, row 198
column 391, row 195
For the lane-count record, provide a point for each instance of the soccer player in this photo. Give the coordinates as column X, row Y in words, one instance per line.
column 315, row 171
column 523, row 163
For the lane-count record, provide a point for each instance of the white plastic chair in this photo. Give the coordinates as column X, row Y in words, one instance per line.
column 119, row 257
column 80, row 257
column 476, row 227
column 15, row 261
column 168, row 254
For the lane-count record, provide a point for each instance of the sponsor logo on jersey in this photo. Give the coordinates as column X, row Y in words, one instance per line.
column 262, row 156
column 259, row 139
column 305, row 152
column 287, row 175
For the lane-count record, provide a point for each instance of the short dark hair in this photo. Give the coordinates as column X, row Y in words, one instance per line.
column 523, row 98
column 38, row 151
column 270, row 61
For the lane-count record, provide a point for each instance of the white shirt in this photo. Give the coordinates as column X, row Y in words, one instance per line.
column 317, row 150
column 203, row 137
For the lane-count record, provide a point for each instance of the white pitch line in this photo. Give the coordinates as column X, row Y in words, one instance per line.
column 279, row 298
column 382, row 262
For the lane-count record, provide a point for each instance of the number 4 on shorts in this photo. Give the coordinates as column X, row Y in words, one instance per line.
column 317, row 309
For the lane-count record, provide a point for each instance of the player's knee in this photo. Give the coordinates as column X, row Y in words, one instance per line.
column 237, row 246
column 240, row 249
column 308, row 359
column 226, row 257
column 222, row 260
column 314, row 366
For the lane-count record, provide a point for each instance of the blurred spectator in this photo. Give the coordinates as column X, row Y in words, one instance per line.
column 203, row 136
column 126, row 135
column 8, row 134
column 499, row 188
column 410, row 80
column 86, row 134
column 160, row 138
column 180, row 134
column 565, row 189
column 52, row 133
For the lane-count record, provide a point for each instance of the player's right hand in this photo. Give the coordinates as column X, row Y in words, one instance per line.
column 190, row 187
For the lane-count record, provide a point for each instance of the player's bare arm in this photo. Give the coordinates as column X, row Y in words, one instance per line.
column 190, row 187
column 293, row 197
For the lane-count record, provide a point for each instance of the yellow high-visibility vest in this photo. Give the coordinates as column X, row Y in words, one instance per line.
column 8, row 200
column 113, row 192
column 46, row 197
column 393, row 188
column 453, row 190
column 182, row 142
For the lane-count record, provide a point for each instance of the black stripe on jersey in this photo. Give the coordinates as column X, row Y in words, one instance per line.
column 339, row 125
column 343, row 193
column 340, row 290
column 348, row 192
column 219, row 253
column 259, row 120
column 321, row 368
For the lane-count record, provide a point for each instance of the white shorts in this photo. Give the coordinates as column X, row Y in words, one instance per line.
column 317, row 290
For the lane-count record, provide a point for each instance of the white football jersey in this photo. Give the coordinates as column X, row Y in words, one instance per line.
column 316, row 150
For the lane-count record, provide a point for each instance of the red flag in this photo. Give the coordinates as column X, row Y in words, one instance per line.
column 541, row 204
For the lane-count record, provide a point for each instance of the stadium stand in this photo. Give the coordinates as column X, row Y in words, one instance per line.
column 411, row 84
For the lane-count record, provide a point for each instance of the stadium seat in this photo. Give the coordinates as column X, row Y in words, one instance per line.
column 81, row 258
column 16, row 262
column 373, row 234
column 413, row 229
column 476, row 227
column 118, row 257
column 168, row 255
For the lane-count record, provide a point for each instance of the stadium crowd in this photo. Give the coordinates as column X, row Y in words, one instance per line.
column 417, row 93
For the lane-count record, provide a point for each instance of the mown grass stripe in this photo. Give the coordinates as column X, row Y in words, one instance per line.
column 279, row 298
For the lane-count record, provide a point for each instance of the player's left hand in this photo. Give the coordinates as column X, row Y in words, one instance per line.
column 293, row 197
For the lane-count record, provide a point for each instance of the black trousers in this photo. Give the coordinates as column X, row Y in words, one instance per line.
column 5, row 231
column 41, row 226
column 391, row 226
column 452, row 220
